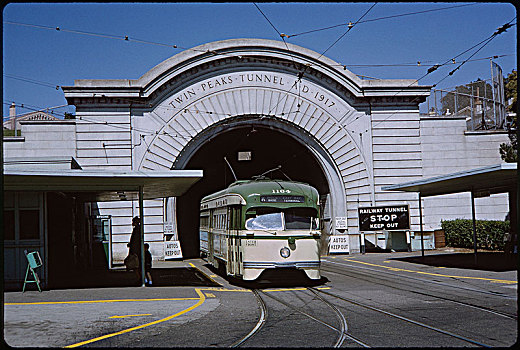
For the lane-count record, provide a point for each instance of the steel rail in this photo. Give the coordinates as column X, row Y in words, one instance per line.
column 407, row 319
column 259, row 324
column 342, row 334
column 481, row 308
column 500, row 295
column 343, row 321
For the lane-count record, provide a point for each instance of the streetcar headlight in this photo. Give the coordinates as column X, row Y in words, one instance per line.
column 285, row 252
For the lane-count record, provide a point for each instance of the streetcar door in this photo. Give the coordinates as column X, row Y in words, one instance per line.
column 238, row 249
column 231, row 242
column 234, row 240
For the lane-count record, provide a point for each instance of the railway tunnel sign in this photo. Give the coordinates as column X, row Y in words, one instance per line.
column 386, row 218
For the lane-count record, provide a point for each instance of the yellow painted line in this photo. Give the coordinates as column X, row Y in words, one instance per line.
column 96, row 301
column 210, row 295
column 217, row 289
column 130, row 316
column 323, row 288
column 283, row 289
column 208, row 277
column 201, row 299
column 494, row 280
column 212, row 275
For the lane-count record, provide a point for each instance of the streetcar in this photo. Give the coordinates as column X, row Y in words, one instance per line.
column 254, row 225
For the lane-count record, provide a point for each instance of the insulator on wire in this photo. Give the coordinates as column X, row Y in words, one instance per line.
column 433, row 69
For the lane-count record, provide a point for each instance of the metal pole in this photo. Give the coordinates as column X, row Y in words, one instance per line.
column 471, row 104
column 421, row 224
column 493, row 89
column 474, row 225
column 141, row 215
column 456, row 102
column 435, row 100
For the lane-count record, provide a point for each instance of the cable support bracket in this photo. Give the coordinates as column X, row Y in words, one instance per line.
column 502, row 29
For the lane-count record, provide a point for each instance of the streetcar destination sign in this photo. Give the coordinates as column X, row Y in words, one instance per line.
column 396, row 217
column 282, row 199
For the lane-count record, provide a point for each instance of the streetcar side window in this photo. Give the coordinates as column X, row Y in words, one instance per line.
column 268, row 218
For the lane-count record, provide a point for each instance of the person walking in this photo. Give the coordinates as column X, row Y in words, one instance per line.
column 135, row 245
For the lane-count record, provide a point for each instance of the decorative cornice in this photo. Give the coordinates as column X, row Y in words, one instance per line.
column 236, row 55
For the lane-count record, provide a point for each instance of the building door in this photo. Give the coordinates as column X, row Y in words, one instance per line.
column 23, row 229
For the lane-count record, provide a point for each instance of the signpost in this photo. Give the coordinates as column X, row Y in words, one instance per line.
column 338, row 244
column 172, row 249
column 388, row 218
column 341, row 223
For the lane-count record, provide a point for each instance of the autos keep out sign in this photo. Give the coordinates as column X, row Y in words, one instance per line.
column 396, row 217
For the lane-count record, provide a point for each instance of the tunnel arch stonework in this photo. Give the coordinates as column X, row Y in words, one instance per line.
column 346, row 120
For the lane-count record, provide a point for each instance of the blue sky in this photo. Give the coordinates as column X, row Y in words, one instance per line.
column 35, row 59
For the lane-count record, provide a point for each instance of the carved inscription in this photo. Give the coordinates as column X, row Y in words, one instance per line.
column 248, row 79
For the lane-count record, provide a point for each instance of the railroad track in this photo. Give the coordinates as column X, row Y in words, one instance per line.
column 371, row 279
column 423, row 325
column 341, row 330
column 496, row 294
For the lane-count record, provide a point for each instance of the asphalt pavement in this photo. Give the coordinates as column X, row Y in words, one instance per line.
column 184, row 292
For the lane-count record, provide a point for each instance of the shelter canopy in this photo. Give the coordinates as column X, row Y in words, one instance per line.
column 481, row 181
column 103, row 185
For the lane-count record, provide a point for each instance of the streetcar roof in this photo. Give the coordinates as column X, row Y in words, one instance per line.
column 251, row 192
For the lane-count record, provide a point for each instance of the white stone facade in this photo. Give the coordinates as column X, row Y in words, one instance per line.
column 365, row 133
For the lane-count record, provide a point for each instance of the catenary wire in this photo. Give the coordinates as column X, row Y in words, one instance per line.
column 175, row 46
column 484, row 42
column 379, row 19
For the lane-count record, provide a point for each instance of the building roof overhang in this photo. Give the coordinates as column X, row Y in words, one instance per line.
column 484, row 181
column 103, row 185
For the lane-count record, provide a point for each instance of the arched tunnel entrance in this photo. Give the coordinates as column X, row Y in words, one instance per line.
column 270, row 143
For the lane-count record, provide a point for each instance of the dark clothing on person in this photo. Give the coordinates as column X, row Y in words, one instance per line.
column 135, row 242
column 147, row 261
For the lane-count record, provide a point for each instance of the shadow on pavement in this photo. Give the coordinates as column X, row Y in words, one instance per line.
column 274, row 278
column 486, row 261
column 161, row 277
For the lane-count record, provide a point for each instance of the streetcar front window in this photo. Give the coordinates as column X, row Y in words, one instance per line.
column 271, row 221
column 300, row 219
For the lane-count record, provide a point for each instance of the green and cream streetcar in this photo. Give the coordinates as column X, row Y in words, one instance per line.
column 261, row 224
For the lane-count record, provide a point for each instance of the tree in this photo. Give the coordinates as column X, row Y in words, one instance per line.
column 508, row 151
column 69, row 116
column 510, row 90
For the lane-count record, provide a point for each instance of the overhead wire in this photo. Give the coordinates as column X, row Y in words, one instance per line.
column 126, row 38
column 379, row 19
column 302, row 73
column 483, row 43
column 290, row 53
column 33, row 108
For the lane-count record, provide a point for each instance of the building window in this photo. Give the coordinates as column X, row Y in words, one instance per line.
column 29, row 224
column 22, row 216
column 9, row 224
